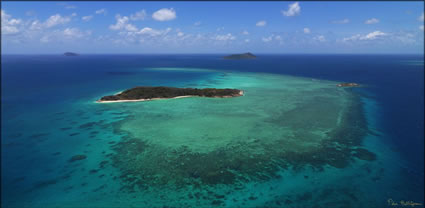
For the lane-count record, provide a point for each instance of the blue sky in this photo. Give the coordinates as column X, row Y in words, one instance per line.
column 212, row 27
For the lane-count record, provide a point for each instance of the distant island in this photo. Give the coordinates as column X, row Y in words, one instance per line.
column 241, row 56
column 347, row 85
column 156, row 93
column 70, row 54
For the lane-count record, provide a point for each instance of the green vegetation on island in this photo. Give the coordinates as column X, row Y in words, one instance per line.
column 241, row 56
column 139, row 93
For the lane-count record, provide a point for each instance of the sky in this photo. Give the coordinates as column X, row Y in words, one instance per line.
column 170, row 27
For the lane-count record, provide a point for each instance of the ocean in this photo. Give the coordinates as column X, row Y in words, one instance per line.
column 293, row 140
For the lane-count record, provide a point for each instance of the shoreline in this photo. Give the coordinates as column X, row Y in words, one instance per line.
column 241, row 93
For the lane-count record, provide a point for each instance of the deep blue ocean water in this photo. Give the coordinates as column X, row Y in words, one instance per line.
column 35, row 88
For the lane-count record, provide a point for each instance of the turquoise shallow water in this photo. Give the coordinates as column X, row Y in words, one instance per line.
column 288, row 142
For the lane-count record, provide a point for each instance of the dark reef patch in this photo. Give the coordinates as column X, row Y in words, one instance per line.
column 142, row 164
column 77, row 157
column 34, row 136
column 364, row 154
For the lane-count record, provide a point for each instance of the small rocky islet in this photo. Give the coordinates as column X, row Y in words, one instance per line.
column 70, row 54
column 149, row 93
column 241, row 56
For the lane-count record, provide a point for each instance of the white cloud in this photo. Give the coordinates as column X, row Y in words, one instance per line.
column 293, row 10
column 421, row 27
column 122, row 24
column 74, row 14
column 370, row 36
column 56, row 19
column 421, row 18
column 152, row 32
column 44, row 39
column 307, row 30
column 197, row 23
column 247, row 40
column 131, row 28
column 226, row 37
column 73, row 33
column 267, row 39
column 372, row 21
column 344, row 21
column 245, row 32
column 70, row 7
column 261, row 23
column 272, row 37
column 101, row 11
column 164, row 14
column 87, row 18
column 373, row 35
column 320, row 38
column 9, row 26
column 63, row 35
column 140, row 15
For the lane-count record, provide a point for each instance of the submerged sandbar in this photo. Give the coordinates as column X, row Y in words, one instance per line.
column 156, row 93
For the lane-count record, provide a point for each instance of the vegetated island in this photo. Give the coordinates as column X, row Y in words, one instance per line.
column 241, row 56
column 351, row 84
column 156, row 93
column 70, row 54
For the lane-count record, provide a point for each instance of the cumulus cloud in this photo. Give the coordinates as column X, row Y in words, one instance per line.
column 343, row 21
column 73, row 33
column 421, row 18
column 225, row 37
column 245, row 32
column 370, row 36
column 68, row 34
column 70, row 7
column 101, row 11
column 164, row 14
column 372, row 21
column 152, row 32
column 87, row 18
column 122, row 24
column 197, row 23
column 56, row 19
column 320, row 38
column 293, row 10
column 421, row 27
column 307, row 30
column 9, row 26
column 261, row 23
column 140, row 15
column 267, row 39
column 271, row 38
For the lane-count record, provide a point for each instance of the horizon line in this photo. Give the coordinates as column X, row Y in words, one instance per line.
column 219, row 53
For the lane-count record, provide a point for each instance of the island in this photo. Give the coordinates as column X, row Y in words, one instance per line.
column 70, row 54
column 241, row 56
column 347, row 85
column 155, row 93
